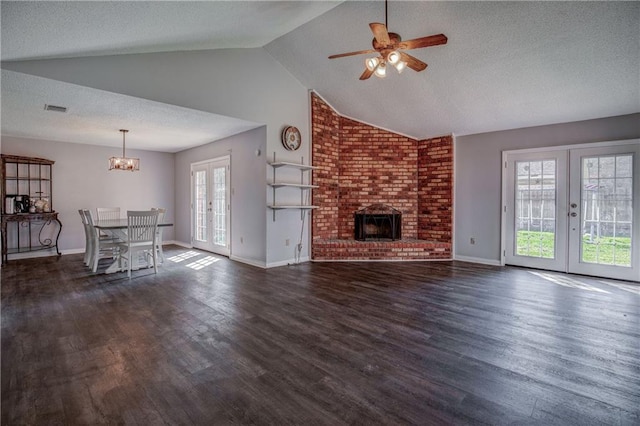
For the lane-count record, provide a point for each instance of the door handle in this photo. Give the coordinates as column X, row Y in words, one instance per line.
column 574, row 205
column 573, row 214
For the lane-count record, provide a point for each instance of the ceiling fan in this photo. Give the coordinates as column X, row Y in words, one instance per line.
column 391, row 49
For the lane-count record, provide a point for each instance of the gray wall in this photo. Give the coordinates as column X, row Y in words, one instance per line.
column 248, row 199
column 478, row 174
column 242, row 83
column 81, row 179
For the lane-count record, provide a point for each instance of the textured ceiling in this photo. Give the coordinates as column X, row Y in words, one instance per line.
column 506, row 65
column 94, row 117
column 58, row 29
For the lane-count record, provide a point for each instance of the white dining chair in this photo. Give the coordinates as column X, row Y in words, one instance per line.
column 161, row 213
column 107, row 213
column 141, row 238
column 102, row 246
column 88, row 239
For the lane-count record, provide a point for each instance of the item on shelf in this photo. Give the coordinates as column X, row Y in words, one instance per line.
column 43, row 205
column 9, row 204
column 21, row 204
column 39, row 205
column 47, row 204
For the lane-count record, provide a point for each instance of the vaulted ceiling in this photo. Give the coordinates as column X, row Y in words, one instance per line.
column 506, row 64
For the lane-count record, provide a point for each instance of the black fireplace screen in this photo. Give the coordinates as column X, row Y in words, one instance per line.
column 378, row 222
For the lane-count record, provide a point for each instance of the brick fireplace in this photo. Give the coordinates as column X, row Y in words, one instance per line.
column 360, row 165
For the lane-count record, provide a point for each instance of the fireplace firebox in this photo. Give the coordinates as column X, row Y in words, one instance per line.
column 378, row 222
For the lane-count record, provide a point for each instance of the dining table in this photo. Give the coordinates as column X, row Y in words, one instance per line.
column 118, row 229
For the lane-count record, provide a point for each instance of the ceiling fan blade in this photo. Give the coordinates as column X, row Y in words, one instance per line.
column 366, row 74
column 360, row 52
column 412, row 62
column 380, row 33
column 417, row 43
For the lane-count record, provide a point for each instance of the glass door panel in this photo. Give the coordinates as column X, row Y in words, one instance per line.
column 607, row 201
column 603, row 229
column 535, row 224
column 200, row 205
column 535, row 215
column 220, row 206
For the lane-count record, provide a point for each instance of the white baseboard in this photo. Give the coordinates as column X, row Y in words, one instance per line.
column 251, row 262
column 480, row 260
column 287, row 262
column 264, row 265
column 73, row 251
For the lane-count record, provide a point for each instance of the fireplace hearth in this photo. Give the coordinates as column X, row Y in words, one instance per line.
column 378, row 222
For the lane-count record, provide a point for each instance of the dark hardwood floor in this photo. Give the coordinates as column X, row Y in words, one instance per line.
column 210, row 341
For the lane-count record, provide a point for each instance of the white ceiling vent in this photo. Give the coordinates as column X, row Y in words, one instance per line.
column 55, row 108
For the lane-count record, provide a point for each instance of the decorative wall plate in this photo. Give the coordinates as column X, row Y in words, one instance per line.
column 291, row 139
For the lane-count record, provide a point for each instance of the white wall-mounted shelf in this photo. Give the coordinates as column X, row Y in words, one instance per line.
column 302, row 186
column 292, row 207
column 293, row 185
column 277, row 164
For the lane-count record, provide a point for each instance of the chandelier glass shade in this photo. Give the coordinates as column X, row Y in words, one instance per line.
column 124, row 162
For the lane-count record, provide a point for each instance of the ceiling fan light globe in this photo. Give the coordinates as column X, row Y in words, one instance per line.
column 381, row 71
column 393, row 57
column 371, row 63
column 400, row 66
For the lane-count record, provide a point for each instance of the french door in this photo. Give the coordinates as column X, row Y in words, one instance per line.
column 210, row 207
column 574, row 210
column 536, row 230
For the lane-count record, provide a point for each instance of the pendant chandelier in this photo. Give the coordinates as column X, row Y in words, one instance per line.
column 124, row 163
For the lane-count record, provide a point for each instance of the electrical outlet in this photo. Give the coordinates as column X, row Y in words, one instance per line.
column 286, row 242
column 472, row 240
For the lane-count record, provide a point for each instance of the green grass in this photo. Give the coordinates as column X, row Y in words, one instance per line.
column 536, row 244
column 604, row 250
